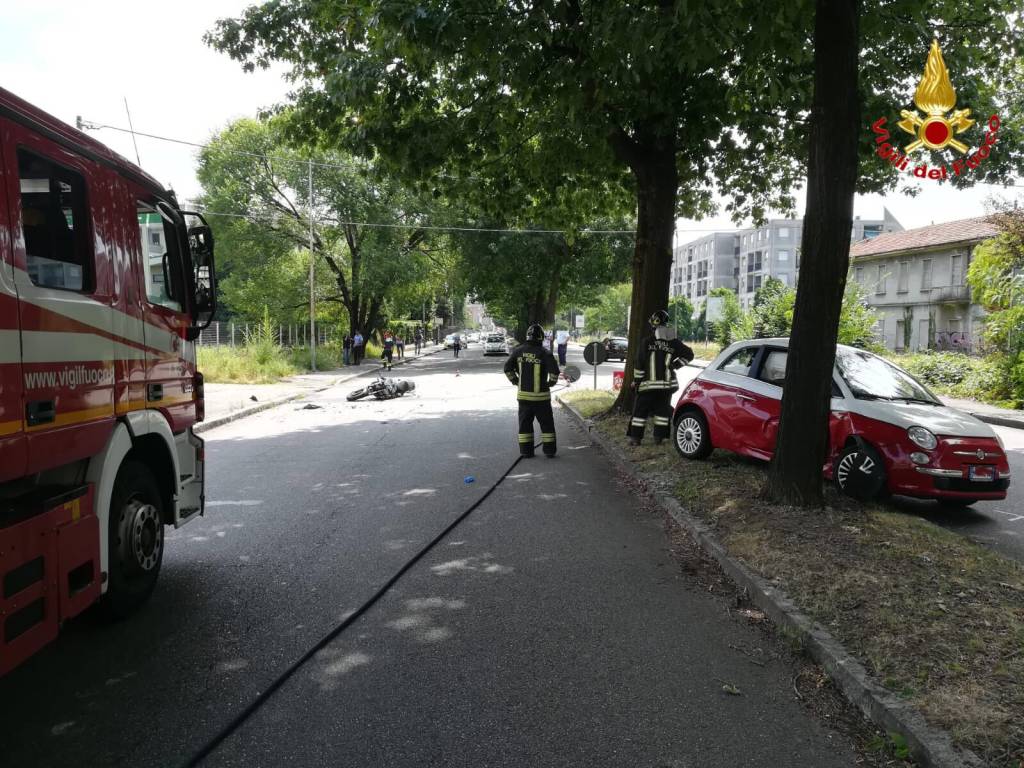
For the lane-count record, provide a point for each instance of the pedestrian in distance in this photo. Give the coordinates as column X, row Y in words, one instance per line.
column 418, row 339
column 400, row 344
column 388, row 352
column 357, row 348
column 346, row 348
column 654, row 378
column 533, row 369
column 456, row 344
column 562, row 343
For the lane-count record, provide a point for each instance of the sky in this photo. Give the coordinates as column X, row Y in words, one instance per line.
column 85, row 57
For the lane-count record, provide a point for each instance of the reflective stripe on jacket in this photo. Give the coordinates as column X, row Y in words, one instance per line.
column 533, row 369
column 656, row 362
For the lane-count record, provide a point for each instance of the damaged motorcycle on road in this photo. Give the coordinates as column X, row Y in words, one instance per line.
column 382, row 389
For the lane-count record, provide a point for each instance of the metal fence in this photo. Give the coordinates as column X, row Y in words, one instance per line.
column 232, row 334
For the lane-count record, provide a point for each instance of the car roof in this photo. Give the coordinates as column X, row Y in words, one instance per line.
column 778, row 341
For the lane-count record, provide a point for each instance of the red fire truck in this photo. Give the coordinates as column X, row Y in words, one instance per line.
column 105, row 284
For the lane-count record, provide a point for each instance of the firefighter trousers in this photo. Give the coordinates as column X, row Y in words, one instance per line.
column 656, row 403
column 540, row 410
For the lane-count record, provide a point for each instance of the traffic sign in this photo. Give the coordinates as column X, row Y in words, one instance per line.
column 594, row 353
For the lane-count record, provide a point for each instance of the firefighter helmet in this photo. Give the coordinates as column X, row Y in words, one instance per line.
column 535, row 332
column 659, row 318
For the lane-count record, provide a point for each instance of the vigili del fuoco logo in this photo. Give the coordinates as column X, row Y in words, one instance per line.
column 935, row 130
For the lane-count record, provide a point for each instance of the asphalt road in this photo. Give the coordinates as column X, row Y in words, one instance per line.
column 995, row 524
column 552, row 628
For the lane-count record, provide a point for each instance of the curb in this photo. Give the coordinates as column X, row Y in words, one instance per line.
column 220, row 421
column 1000, row 421
column 930, row 746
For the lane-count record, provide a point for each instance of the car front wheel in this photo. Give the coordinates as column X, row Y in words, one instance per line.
column 860, row 472
column 691, row 438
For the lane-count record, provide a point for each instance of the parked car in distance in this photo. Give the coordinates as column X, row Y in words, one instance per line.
column 616, row 348
column 888, row 434
column 495, row 344
column 449, row 341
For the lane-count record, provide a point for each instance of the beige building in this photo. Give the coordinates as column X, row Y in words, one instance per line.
column 742, row 260
column 917, row 280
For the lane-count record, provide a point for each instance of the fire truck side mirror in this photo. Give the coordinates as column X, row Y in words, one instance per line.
column 204, row 303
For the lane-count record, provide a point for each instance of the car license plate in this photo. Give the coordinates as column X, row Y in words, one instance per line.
column 981, row 473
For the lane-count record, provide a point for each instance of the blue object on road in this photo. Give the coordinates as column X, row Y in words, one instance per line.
column 469, row 479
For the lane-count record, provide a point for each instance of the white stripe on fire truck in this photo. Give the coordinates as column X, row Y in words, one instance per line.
column 70, row 347
column 101, row 316
column 10, row 347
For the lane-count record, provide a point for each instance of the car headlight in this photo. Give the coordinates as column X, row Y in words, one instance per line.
column 922, row 437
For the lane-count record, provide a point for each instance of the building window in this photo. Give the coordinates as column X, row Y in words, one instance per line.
column 798, row 258
column 58, row 252
column 785, row 279
column 903, row 284
column 783, row 233
column 880, row 280
column 154, row 238
column 858, row 275
column 900, row 334
column 957, row 273
column 783, row 255
column 926, row 275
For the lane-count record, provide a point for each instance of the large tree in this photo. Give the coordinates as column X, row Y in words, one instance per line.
column 367, row 236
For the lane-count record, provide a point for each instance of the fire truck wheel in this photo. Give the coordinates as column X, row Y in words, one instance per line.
column 136, row 539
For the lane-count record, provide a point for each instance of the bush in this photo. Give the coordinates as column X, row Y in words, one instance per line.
column 989, row 379
column 243, row 365
column 940, row 369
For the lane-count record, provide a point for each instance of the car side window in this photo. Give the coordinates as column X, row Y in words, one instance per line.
column 739, row 362
column 773, row 369
column 58, row 249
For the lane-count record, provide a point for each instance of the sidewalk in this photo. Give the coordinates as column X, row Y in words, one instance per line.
column 1002, row 417
column 228, row 402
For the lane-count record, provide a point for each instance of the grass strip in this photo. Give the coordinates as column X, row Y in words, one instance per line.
column 938, row 619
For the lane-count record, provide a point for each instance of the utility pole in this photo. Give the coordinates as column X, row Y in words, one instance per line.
column 312, row 284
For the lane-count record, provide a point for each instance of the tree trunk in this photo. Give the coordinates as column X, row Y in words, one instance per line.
column 657, row 181
column 795, row 473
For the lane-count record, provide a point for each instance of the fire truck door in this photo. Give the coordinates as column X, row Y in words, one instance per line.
column 61, row 238
column 168, row 378
column 12, row 435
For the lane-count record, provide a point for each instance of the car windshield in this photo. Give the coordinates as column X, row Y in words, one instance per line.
column 617, row 340
column 870, row 377
column 496, row 339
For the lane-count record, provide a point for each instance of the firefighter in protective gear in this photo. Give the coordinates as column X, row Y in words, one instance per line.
column 533, row 369
column 654, row 378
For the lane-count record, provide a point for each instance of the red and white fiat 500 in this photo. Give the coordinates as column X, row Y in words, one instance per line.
column 889, row 433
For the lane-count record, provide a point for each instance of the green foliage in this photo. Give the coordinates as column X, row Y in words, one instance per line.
column 263, row 245
column 237, row 365
column 857, row 320
column 989, row 379
column 680, row 316
column 996, row 277
column 608, row 316
column 772, row 313
column 735, row 323
column 941, row 369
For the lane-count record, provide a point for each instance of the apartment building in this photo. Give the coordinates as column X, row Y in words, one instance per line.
column 917, row 280
column 744, row 259
column 703, row 265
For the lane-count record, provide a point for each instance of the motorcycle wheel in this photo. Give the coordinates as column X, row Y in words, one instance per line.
column 358, row 394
